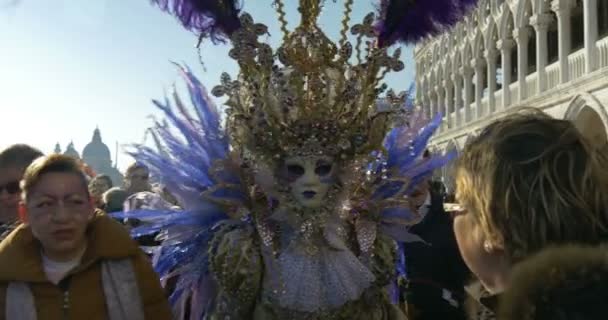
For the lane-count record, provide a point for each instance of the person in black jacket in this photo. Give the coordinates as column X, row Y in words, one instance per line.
column 13, row 161
column 436, row 273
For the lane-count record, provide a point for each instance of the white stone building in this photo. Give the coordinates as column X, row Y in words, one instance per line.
column 509, row 54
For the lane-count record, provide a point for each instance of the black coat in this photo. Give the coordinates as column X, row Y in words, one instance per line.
column 435, row 267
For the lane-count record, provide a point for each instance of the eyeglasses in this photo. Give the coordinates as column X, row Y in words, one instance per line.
column 138, row 176
column 11, row 187
column 50, row 207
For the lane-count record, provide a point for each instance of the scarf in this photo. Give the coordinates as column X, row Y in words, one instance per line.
column 119, row 288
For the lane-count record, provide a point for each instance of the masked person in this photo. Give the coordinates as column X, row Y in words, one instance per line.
column 293, row 208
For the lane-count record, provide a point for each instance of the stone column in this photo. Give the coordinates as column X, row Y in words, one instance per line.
column 490, row 56
column 591, row 34
column 426, row 95
column 477, row 64
column 467, row 73
column 426, row 103
column 541, row 23
column 449, row 102
column 505, row 46
column 521, row 36
column 440, row 99
column 434, row 102
column 457, row 80
column 562, row 9
column 431, row 109
column 441, row 105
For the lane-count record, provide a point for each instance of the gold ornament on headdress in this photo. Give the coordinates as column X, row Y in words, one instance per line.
column 306, row 98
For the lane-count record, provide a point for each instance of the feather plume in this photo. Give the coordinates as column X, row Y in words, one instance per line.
column 192, row 150
column 210, row 19
column 409, row 21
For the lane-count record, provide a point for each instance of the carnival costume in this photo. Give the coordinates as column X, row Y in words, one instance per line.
column 295, row 208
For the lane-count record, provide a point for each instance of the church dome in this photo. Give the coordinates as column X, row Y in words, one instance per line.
column 96, row 150
column 71, row 151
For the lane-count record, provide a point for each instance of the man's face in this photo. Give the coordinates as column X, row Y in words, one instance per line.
column 138, row 181
column 98, row 187
column 10, row 193
column 419, row 195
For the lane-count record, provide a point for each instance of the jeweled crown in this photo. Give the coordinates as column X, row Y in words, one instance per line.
column 311, row 95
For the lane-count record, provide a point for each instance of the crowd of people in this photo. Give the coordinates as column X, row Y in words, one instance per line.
column 526, row 241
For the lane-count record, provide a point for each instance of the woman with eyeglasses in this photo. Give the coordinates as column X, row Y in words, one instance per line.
column 13, row 161
column 67, row 262
column 528, row 182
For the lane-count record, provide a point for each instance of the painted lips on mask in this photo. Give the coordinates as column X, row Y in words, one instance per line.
column 309, row 194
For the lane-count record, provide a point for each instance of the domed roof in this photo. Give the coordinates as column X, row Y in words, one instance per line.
column 71, row 151
column 96, row 149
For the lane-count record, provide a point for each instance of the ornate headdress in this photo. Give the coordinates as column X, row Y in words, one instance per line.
column 310, row 96
column 306, row 98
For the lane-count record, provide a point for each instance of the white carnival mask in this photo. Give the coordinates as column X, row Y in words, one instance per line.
column 310, row 179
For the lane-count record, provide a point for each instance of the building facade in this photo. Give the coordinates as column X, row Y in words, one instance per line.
column 96, row 154
column 511, row 54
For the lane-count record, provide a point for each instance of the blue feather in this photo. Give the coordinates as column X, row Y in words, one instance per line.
column 399, row 213
column 192, row 145
column 388, row 190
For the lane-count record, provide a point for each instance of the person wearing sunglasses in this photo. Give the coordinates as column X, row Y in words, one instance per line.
column 13, row 161
column 137, row 179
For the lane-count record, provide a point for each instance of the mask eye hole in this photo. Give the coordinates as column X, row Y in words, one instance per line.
column 323, row 169
column 295, row 170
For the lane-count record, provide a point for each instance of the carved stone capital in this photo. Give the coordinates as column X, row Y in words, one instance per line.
column 541, row 22
column 490, row 54
column 477, row 63
column 466, row 71
column 505, row 44
column 562, row 7
column 521, row 34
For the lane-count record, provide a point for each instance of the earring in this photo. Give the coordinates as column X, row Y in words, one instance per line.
column 487, row 246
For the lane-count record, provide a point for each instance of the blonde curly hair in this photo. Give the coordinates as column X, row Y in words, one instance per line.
column 531, row 180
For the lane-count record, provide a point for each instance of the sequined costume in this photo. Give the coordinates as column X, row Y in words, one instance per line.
column 295, row 208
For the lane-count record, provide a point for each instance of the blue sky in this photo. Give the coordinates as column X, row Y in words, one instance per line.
column 67, row 66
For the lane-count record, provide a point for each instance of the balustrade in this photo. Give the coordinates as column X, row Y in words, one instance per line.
column 552, row 75
column 531, row 84
column 514, row 88
column 576, row 64
column 602, row 47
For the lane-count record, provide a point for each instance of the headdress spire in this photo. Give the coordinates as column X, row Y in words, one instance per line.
column 310, row 11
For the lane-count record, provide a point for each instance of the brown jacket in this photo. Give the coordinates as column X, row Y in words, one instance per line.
column 20, row 260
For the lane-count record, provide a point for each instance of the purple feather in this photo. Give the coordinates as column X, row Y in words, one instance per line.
column 409, row 21
column 213, row 19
